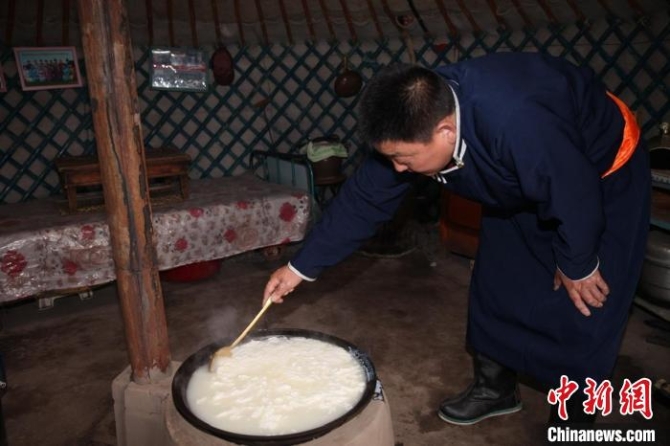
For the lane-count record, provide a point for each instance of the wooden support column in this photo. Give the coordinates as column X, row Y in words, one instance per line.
column 116, row 120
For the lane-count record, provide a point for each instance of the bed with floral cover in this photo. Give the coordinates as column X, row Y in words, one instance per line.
column 44, row 250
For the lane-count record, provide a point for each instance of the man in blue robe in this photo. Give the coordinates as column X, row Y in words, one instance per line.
column 554, row 160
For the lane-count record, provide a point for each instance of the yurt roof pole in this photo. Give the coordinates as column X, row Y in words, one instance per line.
column 502, row 23
column 287, row 23
column 261, row 19
column 150, row 20
column 238, row 19
column 453, row 32
column 326, row 15
column 217, row 25
column 65, row 34
column 170, row 17
column 373, row 14
column 39, row 41
column 308, row 19
column 11, row 12
column 473, row 23
column 192, row 22
column 116, row 121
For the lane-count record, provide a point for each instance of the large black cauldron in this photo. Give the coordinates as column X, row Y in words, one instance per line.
column 202, row 356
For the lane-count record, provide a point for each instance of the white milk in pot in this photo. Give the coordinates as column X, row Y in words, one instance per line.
column 277, row 386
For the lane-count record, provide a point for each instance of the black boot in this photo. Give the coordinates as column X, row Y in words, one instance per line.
column 494, row 392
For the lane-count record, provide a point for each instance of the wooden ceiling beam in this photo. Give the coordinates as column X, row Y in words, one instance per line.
column 419, row 19
column 453, row 31
column 65, row 21
column 522, row 13
column 192, row 23
column 217, row 25
column 473, row 23
column 287, row 25
column 170, row 21
column 635, row 5
column 11, row 14
column 520, row 7
column 548, row 12
column 579, row 15
column 150, row 20
column 326, row 15
column 39, row 40
column 238, row 18
column 261, row 19
column 309, row 20
column 605, row 6
column 502, row 23
column 348, row 19
column 375, row 19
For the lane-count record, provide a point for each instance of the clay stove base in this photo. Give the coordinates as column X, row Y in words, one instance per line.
column 372, row 427
column 139, row 409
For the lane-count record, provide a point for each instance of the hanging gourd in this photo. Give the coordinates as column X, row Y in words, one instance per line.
column 222, row 66
column 348, row 83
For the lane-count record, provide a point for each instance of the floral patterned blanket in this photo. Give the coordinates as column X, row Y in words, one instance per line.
column 43, row 250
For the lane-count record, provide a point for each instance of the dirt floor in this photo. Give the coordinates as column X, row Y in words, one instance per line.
column 407, row 312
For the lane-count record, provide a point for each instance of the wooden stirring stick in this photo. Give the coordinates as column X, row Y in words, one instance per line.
column 228, row 350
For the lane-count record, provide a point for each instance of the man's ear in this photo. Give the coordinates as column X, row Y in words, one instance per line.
column 446, row 128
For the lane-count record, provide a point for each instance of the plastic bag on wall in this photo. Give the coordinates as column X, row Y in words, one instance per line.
column 178, row 69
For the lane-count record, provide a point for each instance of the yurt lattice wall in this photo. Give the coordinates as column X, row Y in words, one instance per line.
column 283, row 94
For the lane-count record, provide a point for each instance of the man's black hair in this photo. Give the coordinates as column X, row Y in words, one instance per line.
column 403, row 103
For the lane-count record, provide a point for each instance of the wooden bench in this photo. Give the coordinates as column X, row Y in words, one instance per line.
column 79, row 172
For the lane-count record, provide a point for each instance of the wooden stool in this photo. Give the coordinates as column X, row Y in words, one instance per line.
column 84, row 171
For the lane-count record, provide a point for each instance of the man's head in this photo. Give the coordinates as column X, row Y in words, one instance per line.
column 407, row 114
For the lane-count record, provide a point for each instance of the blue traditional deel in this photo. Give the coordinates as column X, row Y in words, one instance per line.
column 536, row 135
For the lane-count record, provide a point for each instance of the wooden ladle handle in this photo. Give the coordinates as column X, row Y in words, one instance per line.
column 253, row 322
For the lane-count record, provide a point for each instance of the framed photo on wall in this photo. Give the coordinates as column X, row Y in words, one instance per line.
column 41, row 68
column 3, row 82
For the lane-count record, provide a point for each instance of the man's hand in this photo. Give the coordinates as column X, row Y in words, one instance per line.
column 592, row 290
column 282, row 282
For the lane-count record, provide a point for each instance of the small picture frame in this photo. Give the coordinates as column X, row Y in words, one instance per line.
column 42, row 68
column 3, row 82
